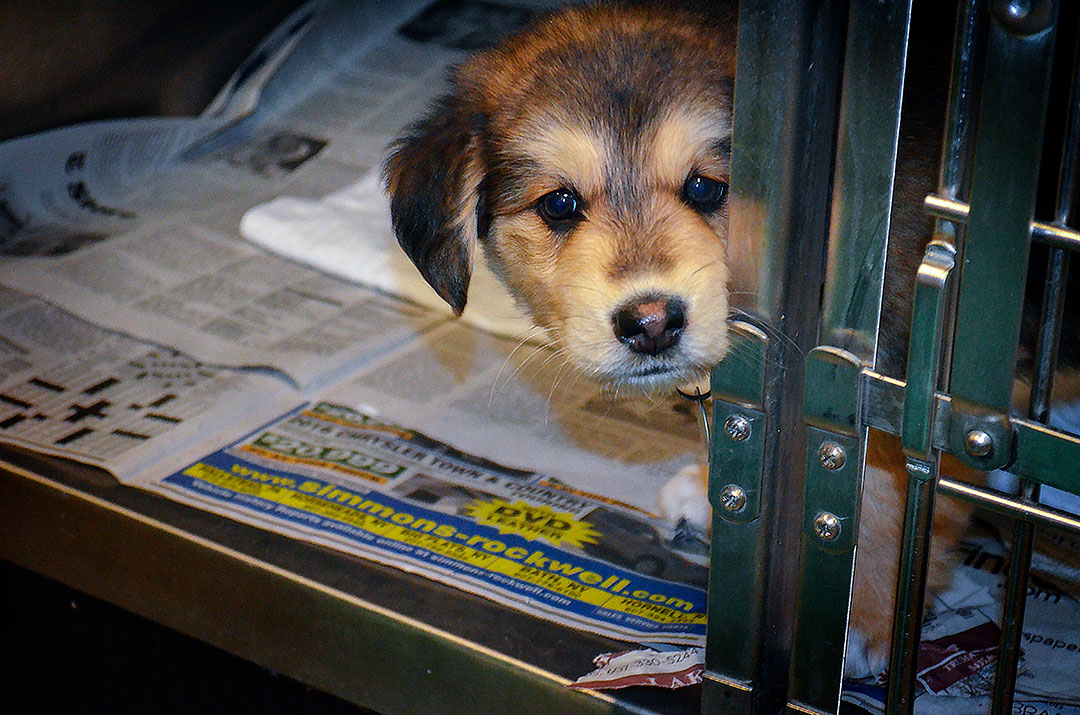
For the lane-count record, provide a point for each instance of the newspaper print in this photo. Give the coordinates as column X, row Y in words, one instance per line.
column 340, row 477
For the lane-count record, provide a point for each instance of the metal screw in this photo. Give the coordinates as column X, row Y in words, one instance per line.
column 826, row 526
column 832, row 455
column 978, row 443
column 737, row 428
column 732, row 497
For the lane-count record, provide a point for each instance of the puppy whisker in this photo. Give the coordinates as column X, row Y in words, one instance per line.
column 495, row 383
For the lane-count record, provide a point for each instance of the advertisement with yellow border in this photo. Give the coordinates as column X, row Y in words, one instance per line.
column 339, row 477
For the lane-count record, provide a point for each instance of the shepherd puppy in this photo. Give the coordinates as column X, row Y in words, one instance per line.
column 589, row 157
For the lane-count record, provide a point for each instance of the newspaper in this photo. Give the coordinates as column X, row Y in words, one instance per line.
column 347, row 479
column 666, row 669
column 132, row 224
column 465, row 457
column 72, row 389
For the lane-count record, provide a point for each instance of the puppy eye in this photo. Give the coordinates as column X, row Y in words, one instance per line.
column 558, row 206
column 703, row 193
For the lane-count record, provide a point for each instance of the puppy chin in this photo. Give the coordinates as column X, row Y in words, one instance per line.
column 652, row 375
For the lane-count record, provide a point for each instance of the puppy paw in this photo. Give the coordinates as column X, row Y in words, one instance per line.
column 866, row 657
column 685, row 498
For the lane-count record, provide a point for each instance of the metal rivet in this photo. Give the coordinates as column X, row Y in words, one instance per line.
column 832, row 455
column 826, row 526
column 1024, row 17
column 737, row 428
column 732, row 497
column 978, row 443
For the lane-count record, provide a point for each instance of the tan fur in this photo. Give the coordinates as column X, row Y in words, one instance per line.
column 565, row 152
column 534, row 125
column 681, row 143
column 880, row 529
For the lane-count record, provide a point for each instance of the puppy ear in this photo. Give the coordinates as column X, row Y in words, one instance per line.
column 433, row 176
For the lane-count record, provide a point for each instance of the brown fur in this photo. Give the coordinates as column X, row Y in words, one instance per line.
column 571, row 103
column 621, row 103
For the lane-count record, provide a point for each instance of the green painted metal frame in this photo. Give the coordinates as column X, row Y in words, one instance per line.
column 841, row 394
column 786, row 90
column 923, row 464
column 868, row 126
column 993, row 272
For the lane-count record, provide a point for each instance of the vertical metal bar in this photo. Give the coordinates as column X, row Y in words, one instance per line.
column 875, row 57
column 929, row 359
column 1005, row 176
column 911, row 584
column 1012, row 614
column 923, row 465
column 1053, row 308
column 735, row 485
column 958, row 142
column 785, row 94
column 834, row 463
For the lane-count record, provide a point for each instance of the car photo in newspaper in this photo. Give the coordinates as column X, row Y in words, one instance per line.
column 342, row 478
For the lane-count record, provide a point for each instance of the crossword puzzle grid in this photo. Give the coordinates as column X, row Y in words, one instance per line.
column 105, row 410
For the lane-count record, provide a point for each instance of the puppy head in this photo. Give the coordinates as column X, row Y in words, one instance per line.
column 589, row 156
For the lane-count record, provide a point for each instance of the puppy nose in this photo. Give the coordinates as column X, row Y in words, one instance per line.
column 650, row 325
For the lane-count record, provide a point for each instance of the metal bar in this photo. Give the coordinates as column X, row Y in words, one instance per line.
column 911, row 584
column 785, row 94
column 1047, row 233
column 1045, row 455
column 1002, row 197
column 1007, row 505
column 1005, row 178
column 932, row 287
column 924, row 351
column 958, row 141
column 1012, row 614
column 1053, row 309
column 735, row 484
column 834, row 464
column 875, row 58
column 1053, row 312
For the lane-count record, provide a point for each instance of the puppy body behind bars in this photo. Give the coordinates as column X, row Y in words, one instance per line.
column 589, row 157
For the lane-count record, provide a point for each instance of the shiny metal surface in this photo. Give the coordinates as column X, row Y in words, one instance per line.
column 830, row 520
column 924, row 365
column 911, row 583
column 375, row 636
column 1051, row 235
column 1042, row 387
column 869, row 125
column 924, row 368
column 1005, row 174
column 1043, row 454
column 873, row 72
column 1008, row 505
column 785, row 95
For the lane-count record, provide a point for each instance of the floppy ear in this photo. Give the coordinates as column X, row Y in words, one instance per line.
column 433, row 176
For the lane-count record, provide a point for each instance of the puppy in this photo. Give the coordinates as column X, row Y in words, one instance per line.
column 589, row 157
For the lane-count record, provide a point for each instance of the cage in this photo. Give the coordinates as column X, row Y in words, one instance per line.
column 812, row 384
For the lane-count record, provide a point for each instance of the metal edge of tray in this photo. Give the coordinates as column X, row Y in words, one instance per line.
column 372, row 635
